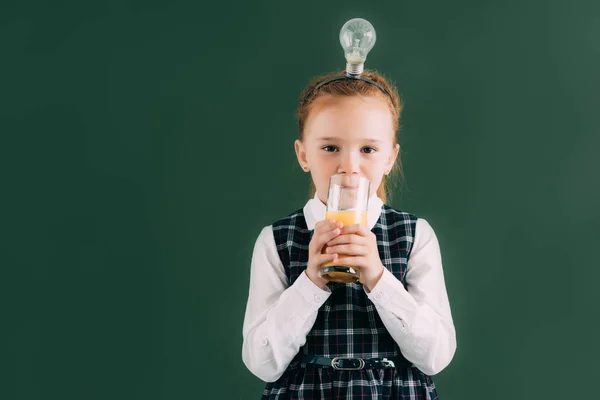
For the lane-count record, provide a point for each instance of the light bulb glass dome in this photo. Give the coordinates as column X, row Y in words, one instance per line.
column 357, row 37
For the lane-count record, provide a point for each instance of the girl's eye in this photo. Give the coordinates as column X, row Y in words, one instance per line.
column 330, row 148
column 368, row 150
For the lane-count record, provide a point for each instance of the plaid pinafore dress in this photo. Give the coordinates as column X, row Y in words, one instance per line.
column 348, row 324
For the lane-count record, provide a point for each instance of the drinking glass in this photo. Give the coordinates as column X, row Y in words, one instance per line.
column 347, row 202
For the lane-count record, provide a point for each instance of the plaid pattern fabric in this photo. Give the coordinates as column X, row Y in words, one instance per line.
column 348, row 324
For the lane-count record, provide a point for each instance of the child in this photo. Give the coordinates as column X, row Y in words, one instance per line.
column 382, row 337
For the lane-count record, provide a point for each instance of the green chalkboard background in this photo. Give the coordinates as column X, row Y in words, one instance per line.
column 144, row 144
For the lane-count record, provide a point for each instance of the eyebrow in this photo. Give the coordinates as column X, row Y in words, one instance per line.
column 329, row 139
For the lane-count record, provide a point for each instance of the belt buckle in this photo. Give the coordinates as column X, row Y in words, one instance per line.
column 335, row 363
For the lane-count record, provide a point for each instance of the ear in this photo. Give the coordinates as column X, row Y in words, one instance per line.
column 301, row 154
column 392, row 159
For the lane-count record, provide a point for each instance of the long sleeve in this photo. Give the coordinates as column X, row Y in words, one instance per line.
column 278, row 316
column 419, row 317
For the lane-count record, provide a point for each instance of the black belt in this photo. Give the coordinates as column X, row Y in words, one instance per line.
column 355, row 364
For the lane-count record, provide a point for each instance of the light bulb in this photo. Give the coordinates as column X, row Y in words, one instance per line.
column 357, row 38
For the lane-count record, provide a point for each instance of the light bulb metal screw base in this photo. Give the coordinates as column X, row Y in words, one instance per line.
column 354, row 69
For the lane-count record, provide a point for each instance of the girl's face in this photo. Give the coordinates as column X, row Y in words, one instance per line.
column 347, row 135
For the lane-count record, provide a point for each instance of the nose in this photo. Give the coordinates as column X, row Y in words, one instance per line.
column 349, row 164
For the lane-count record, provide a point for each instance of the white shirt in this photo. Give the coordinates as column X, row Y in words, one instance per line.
column 279, row 316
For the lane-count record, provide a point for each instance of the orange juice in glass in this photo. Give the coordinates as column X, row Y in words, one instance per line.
column 347, row 202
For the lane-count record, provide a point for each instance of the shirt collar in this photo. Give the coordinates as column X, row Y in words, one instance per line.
column 314, row 211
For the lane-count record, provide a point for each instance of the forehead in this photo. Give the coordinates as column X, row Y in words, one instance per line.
column 355, row 117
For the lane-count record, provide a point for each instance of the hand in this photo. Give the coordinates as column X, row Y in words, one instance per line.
column 324, row 232
column 358, row 246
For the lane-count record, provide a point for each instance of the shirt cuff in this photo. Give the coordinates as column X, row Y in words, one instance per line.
column 390, row 292
column 310, row 293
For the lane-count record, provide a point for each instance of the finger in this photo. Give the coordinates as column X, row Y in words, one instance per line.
column 348, row 239
column 325, row 226
column 354, row 261
column 321, row 259
column 356, row 229
column 324, row 238
column 348, row 249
